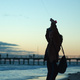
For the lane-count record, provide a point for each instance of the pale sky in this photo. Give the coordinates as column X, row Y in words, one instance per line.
column 24, row 22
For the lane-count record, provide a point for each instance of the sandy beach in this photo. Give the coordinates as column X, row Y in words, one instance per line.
column 74, row 76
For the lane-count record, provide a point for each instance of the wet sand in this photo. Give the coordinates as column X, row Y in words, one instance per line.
column 39, row 78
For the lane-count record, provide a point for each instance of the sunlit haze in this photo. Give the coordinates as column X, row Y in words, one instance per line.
column 24, row 23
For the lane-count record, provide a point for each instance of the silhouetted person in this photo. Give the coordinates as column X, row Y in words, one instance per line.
column 51, row 53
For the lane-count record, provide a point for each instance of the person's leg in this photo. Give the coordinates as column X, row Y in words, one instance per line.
column 49, row 70
column 54, row 71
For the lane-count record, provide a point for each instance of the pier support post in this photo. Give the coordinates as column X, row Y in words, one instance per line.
column 19, row 61
column 4, row 61
column 69, row 61
column 33, row 61
column 77, row 61
column 38, row 61
column 0, row 58
column 43, row 62
column 13, row 61
column 23, row 61
column 9, row 61
column 28, row 61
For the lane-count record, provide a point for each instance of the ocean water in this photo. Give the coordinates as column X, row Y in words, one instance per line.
column 28, row 72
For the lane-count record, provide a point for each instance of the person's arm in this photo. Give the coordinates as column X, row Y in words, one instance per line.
column 47, row 35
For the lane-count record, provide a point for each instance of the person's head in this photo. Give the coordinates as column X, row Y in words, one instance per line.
column 53, row 23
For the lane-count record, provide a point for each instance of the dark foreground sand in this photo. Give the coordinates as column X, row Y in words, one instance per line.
column 74, row 76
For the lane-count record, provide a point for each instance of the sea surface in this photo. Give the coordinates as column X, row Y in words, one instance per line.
column 28, row 72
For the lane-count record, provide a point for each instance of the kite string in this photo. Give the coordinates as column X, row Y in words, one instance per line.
column 46, row 10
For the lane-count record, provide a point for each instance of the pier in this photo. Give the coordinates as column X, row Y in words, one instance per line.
column 29, row 61
column 33, row 61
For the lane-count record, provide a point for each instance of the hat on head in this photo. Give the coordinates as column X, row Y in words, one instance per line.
column 53, row 21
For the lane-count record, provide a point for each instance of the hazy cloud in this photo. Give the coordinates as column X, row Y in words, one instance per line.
column 8, row 48
column 7, row 44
